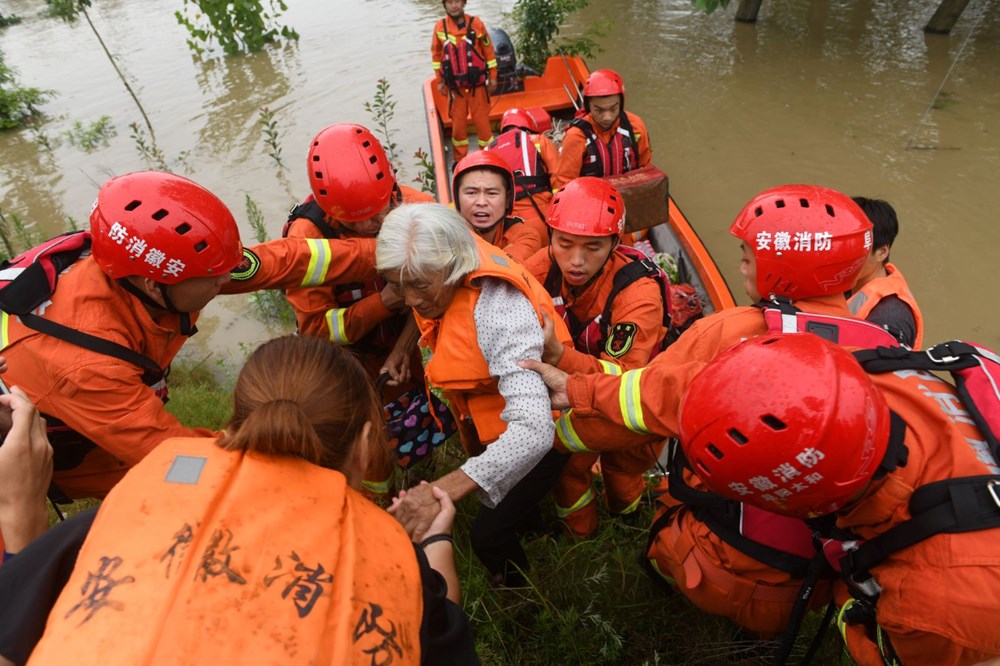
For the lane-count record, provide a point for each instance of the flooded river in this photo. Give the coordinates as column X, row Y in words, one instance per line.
column 848, row 94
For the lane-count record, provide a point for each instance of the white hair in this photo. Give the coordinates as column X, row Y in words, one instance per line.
column 419, row 240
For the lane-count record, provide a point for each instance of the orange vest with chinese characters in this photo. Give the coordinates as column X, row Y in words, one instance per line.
column 206, row 556
column 458, row 366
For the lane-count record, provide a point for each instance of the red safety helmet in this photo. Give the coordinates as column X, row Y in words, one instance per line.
column 484, row 159
column 518, row 118
column 349, row 173
column 162, row 226
column 587, row 206
column 788, row 423
column 603, row 82
column 806, row 240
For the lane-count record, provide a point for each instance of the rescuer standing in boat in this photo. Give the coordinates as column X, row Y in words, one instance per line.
column 607, row 140
column 465, row 66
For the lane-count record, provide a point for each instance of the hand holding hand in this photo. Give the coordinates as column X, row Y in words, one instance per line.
column 416, row 510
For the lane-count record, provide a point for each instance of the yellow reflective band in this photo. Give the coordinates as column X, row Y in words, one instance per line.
column 491, row 64
column 335, row 323
column 378, row 487
column 631, row 507
column 609, row 368
column 630, row 402
column 567, row 435
column 841, row 622
column 459, row 142
column 585, row 499
column 4, row 331
column 435, row 65
column 442, row 36
column 319, row 262
column 453, row 39
column 483, row 142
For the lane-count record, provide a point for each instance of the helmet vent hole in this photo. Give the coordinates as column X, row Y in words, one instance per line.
column 315, row 158
column 160, row 214
column 372, row 159
column 738, row 437
column 703, row 469
column 715, row 452
column 804, row 203
column 780, row 203
column 379, row 176
column 318, row 175
column 200, row 246
column 773, row 422
column 758, row 211
column 133, row 205
column 829, row 210
column 183, row 228
column 367, row 144
column 322, row 193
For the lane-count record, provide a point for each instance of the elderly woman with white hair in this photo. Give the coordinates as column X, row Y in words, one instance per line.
column 480, row 313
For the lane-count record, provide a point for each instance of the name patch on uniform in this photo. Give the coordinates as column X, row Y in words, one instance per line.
column 185, row 469
column 248, row 266
column 620, row 339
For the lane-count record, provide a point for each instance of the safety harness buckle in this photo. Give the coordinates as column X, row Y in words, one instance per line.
column 946, row 355
column 991, row 486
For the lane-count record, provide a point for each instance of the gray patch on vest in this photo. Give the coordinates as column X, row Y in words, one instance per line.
column 500, row 260
column 186, row 469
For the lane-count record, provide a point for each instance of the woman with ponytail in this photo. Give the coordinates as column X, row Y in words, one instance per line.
column 256, row 547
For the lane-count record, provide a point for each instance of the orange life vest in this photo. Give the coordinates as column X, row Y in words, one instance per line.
column 865, row 299
column 457, row 365
column 201, row 555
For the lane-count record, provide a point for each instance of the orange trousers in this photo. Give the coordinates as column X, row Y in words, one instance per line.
column 624, row 484
column 722, row 580
column 466, row 102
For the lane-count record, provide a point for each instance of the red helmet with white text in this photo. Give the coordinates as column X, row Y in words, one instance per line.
column 806, row 240
column 164, row 227
column 789, row 423
column 518, row 118
column 349, row 173
column 490, row 161
column 587, row 206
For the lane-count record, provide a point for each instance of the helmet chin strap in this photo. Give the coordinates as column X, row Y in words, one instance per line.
column 186, row 327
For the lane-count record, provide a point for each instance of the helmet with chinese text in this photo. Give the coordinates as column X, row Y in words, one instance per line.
column 806, row 240
column 789, row 423
column 164, row 227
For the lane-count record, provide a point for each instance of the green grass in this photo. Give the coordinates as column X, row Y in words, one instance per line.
column 588, row 603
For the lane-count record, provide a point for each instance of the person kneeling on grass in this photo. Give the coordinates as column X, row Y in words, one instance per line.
column 253, row 546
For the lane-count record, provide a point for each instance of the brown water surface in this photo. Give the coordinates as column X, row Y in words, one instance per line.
column 852, row 95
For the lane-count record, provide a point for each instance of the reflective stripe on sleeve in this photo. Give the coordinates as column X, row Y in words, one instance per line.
column 567, row 435
column 435, row 65
column 609, row 368
column 319, row 262
column 335, row 323
column 491, row 64
column 630, row 401
column 378, row 487
column 4, row 330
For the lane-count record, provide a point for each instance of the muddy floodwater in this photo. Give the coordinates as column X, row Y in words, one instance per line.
column 849, row 94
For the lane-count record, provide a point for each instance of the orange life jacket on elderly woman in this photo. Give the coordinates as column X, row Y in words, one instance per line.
column 201, row 555
column 457, row 364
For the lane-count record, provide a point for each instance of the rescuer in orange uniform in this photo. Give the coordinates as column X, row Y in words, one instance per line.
column 479, row 313
column 804, row 243
column 607, row 140
column 792, row 424
column 162, row 248
column 208, row 543
column 465, row 66
column 483, row 190
column 533, row 158
column 881, row 294
column 613, row 304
